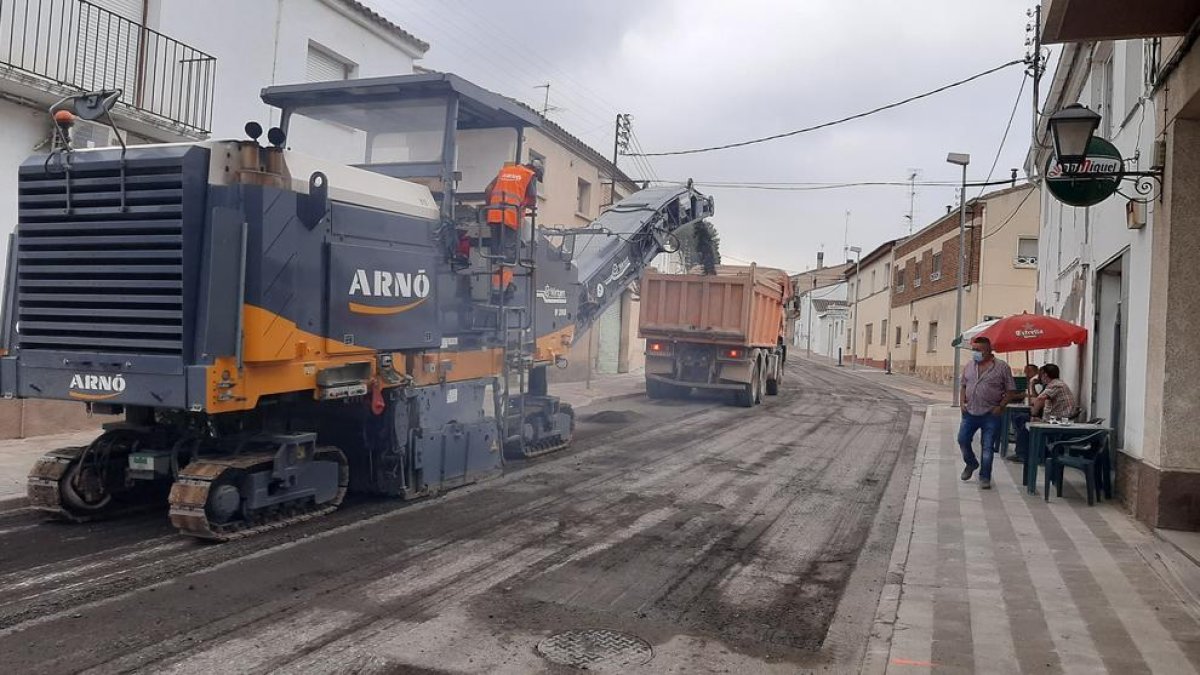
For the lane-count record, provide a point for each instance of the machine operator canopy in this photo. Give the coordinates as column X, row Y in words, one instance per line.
column 405, row 126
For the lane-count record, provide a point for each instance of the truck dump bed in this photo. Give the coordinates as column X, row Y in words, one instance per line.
column 738, row 306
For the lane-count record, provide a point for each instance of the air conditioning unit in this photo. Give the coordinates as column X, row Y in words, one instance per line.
column 86, row 134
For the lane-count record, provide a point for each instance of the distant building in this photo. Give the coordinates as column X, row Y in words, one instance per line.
column 1001, row 276
column 821, row 319
column 869, row 297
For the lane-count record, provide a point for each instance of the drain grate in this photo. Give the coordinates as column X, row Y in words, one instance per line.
column 595, row 648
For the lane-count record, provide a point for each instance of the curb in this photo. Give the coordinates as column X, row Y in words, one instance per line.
column 13, row 503
column 879, row 644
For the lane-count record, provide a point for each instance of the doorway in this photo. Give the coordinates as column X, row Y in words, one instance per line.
column 913, row 339
column 1110, row 339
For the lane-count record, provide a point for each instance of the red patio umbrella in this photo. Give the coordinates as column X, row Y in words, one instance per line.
column 1025, row 332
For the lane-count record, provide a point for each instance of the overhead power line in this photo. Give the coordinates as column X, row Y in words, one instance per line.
column 809, row 187
column 843, row 120
column 1007, row 128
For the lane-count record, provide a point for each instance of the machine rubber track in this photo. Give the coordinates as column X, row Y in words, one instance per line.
column 537, row 449
column 45, row 490
column 190, row 493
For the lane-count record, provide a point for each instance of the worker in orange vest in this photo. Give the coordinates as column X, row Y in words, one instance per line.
column 513, row 192
column 510, row 196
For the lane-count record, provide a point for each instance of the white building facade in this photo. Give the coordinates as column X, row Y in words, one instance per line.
column 1094, row 263
column 821, row 319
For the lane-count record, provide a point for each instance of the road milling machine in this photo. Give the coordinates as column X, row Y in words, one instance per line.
column 274, row 330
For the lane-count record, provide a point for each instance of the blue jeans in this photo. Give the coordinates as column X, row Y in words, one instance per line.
column 990, row 425
column 1018, row 421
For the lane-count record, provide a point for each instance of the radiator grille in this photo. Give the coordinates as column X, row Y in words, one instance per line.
column 93, row 276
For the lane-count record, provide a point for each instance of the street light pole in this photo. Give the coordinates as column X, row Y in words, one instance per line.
column 857, row 251
column 962, row 160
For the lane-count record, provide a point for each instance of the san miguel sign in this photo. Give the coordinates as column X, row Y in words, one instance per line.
column 1089, row 182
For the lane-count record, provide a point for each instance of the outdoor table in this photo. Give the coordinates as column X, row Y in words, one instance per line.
column 1006, row 423
column 1043, row 433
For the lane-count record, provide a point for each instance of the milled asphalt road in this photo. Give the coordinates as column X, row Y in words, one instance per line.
column 728, row 539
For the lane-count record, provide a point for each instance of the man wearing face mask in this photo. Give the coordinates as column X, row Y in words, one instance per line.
column 987, row 386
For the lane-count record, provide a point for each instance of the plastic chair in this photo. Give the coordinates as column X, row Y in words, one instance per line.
column 1088, row 454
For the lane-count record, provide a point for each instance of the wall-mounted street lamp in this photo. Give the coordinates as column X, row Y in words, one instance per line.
column 1086, row 169
column 1072, row 129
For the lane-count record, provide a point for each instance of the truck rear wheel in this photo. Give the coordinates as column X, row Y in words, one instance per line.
column 774, row 382
column 750, row 393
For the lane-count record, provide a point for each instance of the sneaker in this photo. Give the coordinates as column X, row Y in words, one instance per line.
column 969, row 471
column 985, row 484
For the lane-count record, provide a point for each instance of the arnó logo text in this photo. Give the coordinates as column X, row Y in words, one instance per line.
column 397, row 285
column 96, row 387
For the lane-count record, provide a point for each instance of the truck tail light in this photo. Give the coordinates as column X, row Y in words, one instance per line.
column 659, row 347
column 734, row 353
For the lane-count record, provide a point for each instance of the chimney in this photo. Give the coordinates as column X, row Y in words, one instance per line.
column 820, row 259
column 949, row 209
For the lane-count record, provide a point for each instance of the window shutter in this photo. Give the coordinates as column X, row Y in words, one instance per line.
column 323, row 67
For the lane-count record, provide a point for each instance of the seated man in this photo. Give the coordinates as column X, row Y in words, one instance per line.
column 1033, row 387
column 1056, row 400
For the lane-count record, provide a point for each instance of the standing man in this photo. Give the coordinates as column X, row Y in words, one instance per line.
column 511, row 196
column 987, row 386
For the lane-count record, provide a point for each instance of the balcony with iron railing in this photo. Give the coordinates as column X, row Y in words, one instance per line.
column 59, row 47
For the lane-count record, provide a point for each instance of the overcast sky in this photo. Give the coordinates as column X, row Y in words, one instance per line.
column 697, row 73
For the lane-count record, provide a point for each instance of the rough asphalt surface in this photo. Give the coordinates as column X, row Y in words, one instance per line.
column 727, row 539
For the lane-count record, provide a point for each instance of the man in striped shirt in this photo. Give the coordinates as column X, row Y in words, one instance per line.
column 1057, row 399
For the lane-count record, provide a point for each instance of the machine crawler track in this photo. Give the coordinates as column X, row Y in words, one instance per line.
column 192, row 489
column 45, row 490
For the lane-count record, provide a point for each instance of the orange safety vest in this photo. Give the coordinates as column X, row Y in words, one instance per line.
column 509, row 191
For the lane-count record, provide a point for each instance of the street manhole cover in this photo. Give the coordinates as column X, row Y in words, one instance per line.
column 595, row 649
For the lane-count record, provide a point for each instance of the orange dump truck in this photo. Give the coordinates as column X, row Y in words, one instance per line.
column 722, row 331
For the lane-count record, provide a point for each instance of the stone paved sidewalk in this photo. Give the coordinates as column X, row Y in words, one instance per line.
column 1002, row 582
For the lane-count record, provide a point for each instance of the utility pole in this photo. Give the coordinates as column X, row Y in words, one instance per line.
column 620, row 144
column 854, row 321
column 1034, row 60
column 912, row 199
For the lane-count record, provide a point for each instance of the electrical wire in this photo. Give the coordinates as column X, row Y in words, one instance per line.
column 1004, row 138
column 810, row 187
column 1010, row 216
column 842, row 120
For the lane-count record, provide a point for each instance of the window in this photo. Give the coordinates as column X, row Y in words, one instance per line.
column 883, row 333
column 1027, row 252
column 584, row 203
column 887, row 273
column 872, row 281
column 898, row 336
column 869, row 327
column 900, row 281
column 936, row 272
column 933, row 326
column 1135, row 78
column 324, row 66
column 917, row 274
